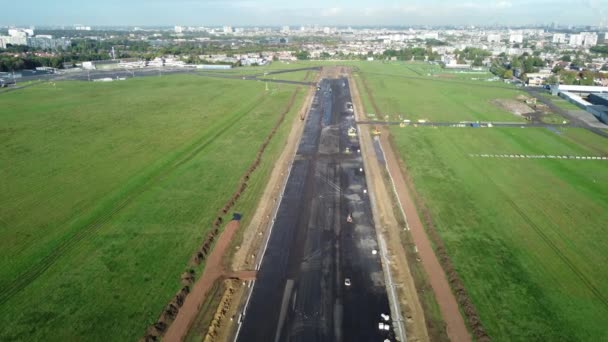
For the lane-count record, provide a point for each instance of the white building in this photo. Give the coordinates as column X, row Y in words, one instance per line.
column 516, row 38
column 16, row 36
column 88, row 66
column 179, row 29
column 590, row 39
column 493, row 38
column 586, row 39
column 429, row 35
column 559, row 38
column 13, row 32
column 227, row 29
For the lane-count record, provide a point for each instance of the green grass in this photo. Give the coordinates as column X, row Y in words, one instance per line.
column 404, row 89
column 252, row 70
column 299, row 76
column 525, row 235
column 138, row 170
column 558, row 101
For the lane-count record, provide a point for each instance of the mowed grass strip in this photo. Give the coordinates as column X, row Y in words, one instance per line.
column 525, row 235
column 405, row 89
column 174, row 147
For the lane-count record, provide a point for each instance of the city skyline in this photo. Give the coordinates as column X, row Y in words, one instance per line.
column 313, row 12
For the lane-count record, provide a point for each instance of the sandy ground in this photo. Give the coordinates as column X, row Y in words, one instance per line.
column 213, row 271
column 388, row 227
column 517, row 107
column 456, row 328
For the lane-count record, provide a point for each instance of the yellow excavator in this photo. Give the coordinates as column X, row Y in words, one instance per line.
column 376, row 131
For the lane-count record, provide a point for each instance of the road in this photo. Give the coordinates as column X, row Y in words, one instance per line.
column 91, row 75
column 300, row 292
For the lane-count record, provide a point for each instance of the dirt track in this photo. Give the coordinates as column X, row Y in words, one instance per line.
column 456, row 328
column 213, row 271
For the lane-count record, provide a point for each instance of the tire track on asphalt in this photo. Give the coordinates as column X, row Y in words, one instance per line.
column 30, row 275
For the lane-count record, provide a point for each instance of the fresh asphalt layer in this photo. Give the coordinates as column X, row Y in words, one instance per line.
column 300, row 293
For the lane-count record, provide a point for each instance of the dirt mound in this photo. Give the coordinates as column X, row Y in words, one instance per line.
column 517, row 107
column 221, row 312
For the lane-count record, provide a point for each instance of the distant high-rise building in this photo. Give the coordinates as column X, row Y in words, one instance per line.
column 516, row 38
column 227, row 29
column 48, row 42
column 179, row 29
column 285, row 29
column 559, row 38
column 493, row 38
column 587, row 39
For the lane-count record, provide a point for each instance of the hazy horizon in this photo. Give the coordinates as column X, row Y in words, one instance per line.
column 311, row 12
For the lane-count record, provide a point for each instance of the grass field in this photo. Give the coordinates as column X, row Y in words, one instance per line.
column 558, row 101
column 525, row 235
column 110, row 188
column 405, row 89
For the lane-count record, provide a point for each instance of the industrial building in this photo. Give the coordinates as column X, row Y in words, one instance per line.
column 595, row 103
column 599, row 99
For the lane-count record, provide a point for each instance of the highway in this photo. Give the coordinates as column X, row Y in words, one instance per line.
column 301, row 292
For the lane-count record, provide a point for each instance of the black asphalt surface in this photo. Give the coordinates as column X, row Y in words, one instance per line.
column 300, row 292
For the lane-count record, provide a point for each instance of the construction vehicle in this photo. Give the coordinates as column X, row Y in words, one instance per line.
column 352, row 132
column 376, row 131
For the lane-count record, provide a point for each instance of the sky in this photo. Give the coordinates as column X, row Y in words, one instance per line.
column 302, row 12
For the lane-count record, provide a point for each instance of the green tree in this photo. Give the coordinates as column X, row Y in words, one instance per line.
column 552, row 80
column 302, row 55
column 508, row 74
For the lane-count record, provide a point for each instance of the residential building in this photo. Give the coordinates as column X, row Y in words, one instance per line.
column 493, row 38
column 47, row 42
column 516, row 38
column 587, row 39
column 559, row 38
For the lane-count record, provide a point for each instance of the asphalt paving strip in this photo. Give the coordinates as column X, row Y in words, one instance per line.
column 312, row 246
